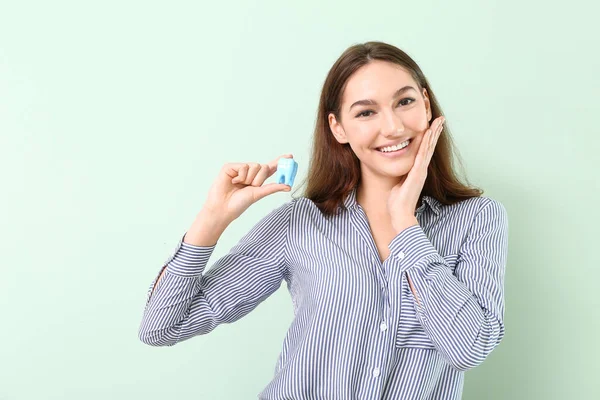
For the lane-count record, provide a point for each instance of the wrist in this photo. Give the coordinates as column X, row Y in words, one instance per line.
column 206, row 229
column 403, row 222
column 214, row 217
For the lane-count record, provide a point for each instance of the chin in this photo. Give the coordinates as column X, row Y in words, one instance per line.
column 386, row 169
column 394, row 172
column 399, row 174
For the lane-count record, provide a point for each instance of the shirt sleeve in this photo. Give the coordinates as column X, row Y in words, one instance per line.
column 461, row 312
column 187, row 302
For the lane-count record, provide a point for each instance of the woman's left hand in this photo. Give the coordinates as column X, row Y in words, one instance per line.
column 404, row 196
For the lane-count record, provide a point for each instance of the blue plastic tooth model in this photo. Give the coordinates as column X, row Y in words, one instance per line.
column 286, row 171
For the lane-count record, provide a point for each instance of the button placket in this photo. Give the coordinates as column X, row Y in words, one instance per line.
column 383, row 326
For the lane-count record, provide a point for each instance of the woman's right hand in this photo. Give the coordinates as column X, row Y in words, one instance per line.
column 239, row 185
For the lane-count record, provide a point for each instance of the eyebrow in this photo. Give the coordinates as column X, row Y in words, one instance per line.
column 372, row 102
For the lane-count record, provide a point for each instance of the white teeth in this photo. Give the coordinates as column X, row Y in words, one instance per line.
column 394, row 148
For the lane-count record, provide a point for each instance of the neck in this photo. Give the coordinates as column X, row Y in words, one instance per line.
column 372, row 195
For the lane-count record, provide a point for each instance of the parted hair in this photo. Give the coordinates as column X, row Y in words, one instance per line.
column 334, row 169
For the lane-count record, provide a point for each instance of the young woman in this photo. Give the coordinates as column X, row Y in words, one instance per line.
column 395, row 268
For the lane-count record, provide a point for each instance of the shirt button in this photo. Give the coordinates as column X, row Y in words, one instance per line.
column 401, row 255
column 383, row 327
column 376, row 372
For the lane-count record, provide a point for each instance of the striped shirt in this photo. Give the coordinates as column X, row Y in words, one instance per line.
column 358, row 331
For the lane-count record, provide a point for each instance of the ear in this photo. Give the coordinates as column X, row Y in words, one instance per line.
column 427, row 105
column 337, row 129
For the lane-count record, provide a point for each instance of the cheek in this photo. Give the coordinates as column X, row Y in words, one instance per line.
column 363, row 135
column 422, row 123
column 418, row 120
column 365, row 130
column 419, row 138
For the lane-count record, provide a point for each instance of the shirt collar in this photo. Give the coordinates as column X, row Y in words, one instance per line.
column 428, row 201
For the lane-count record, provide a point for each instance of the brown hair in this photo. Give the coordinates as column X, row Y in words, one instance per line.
column 334, row 169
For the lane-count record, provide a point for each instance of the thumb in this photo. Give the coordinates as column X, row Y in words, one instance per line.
column 270, row 188
column 273, row 163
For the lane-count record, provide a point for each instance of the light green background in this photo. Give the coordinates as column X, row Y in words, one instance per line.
column 115, row 117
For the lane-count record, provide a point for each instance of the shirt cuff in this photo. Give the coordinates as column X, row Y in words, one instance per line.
column 188, row 260
column 418, row 280
column 410, row 246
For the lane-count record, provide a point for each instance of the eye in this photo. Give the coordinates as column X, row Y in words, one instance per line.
column 401, row 102
column 362, row 114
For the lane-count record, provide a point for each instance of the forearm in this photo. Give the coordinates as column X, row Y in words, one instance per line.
column 452, row 316
column 189, row 301
column 169, row 305
column 205, row 231
column 464, row 322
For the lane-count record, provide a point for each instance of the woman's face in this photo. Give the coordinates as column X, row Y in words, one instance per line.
column 382, row 106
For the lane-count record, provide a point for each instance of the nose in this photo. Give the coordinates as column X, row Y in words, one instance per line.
column 392, row 124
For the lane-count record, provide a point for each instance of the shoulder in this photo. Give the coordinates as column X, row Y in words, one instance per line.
column 279, row 215
column 304, row 205
column 481, row 213
column 306, row 212
column 476, row 205
column 489, row 207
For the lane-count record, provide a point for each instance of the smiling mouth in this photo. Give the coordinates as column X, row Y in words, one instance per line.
column 396, row 149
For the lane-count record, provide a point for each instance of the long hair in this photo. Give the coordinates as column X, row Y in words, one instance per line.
column 334, row 169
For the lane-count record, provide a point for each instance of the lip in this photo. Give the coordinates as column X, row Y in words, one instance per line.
column 395, row 143
column 398, row 153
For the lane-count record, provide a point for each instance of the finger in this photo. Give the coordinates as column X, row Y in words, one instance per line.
column 441, row 125
column 433, row 135
column 427, row 148
column 232, row 169
column 438, row 132
column 428, row 144
column 431, row 147
column 262, row 175
column 423, row 148
column 432, row 138
column 271, row 188
column 273, row 163
column 439, row 121
column 427, row 152
column 437, row 124
column 436, row 137
column 241, row 174
column 252, row 171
